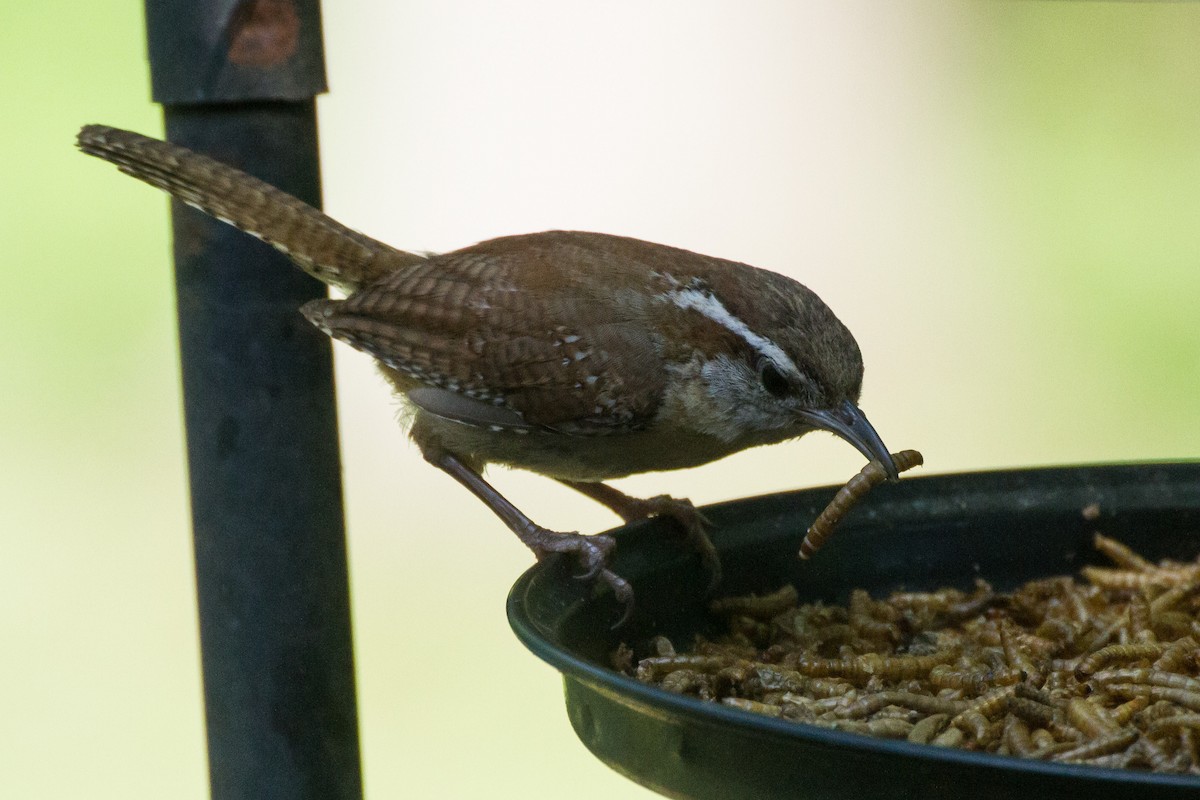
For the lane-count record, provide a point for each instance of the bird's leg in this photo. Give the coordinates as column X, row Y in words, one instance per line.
column 592, row 551
column 631, row 509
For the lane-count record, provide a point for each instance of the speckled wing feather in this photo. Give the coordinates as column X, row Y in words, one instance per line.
column 321, row 246
column 514, row 333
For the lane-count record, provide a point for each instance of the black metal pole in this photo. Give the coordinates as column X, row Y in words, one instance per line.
column 237, row 81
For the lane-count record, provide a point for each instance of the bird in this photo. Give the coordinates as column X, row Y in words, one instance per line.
column 580, row 356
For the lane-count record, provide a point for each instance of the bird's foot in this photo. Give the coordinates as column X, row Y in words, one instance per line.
column 593, row 552
column 694, row 524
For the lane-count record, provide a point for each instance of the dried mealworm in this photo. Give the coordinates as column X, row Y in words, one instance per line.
column 900, row 668
column 889, row 728
column 1105, row 745
column 651, row 668
column 1059, row 631
column 988, row 706
column 1118, row 652
column 768, row 709
column 846, row 498
column 1042, row 739
column 1124, row 712
column 976, row 603
column 864, row 622
column 824, row 687
column 977, row 725
column 764, row 606
column 1090, row 718
column 926, row 729
column 1030, row 692
column 1140, row 629
column 950, row 737
column 945, row 676
column 1175, row 721
column 1150, row 677
column 858, row 669
column 1113, row 760
column 687, row 681
column 1015, row 654
column 1016, row 736
column 1108, row 578
column 926, row 602
column 1032, row 711
column 1177, row 655
column 1120, row 554
column 1156, row 710
column 1098, row 635
column 774, row 679
column 1180, row 697
column 1170, row 598
column 924, row 703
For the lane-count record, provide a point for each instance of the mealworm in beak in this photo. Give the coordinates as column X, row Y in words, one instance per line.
column 849, row 495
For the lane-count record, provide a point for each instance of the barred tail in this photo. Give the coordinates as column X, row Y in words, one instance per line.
column 321, row 246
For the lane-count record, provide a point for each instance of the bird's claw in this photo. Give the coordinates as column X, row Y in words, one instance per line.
column 593, row 553
column 695, row 525
column 623, row 593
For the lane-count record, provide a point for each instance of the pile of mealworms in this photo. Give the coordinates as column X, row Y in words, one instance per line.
column 1101, row 671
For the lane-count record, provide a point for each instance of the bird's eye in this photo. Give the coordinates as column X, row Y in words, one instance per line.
column 772, row 379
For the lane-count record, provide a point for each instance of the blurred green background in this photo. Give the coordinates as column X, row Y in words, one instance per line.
column 1002, row 200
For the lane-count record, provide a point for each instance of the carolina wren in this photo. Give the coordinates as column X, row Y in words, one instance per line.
column 580, row 356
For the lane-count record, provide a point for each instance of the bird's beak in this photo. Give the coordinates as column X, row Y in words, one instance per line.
column 849, row 422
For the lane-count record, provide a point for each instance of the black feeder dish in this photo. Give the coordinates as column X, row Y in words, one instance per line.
column 923, row 533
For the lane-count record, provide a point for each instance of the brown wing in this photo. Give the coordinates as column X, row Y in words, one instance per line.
column 510, row 326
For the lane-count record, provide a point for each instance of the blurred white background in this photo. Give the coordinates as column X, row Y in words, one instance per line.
column 998, row 199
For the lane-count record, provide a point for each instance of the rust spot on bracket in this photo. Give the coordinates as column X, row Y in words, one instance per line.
column 263, row 33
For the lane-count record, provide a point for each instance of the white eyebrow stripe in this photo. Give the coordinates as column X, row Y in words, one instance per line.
column 714, row 309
